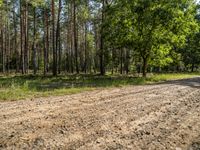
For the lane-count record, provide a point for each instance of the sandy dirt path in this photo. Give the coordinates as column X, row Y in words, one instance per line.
column 161, row 116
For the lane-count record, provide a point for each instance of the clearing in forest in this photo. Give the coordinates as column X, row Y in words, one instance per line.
column 159, row 116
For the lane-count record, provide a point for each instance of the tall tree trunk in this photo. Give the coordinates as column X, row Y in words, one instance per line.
column 102, row 67
column 85, row 47
column 26, row 49
column 8, row 48
column 15, row 41
column 113, row 60
column 67, row 53
column 75, row 37
column 3, row 51
column 53, row 39
column 72, row 41
column 58, row 43
column 7, row 40
column 46, row 41
column 34, row 44
column 127, row 61
column 22, row 35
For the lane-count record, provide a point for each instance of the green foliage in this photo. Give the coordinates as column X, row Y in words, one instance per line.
column 153, row 28
column 37, row 3
column 191, row 52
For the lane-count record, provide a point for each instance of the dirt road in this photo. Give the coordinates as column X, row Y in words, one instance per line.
column 162, row 116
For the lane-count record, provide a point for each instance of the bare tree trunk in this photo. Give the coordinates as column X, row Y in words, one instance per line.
column 75, row 38
column 15, row 41
column 68, row 42
column 72, row 41
column 127, row 61
column 58, row 43
column 102, row 67
column 53, row 39
column 85, row 47
column 3, row 51
column 86, row 44
column 8, row 48
column 34, row 44
column 113, row 60
column 46, row 41
column 26, row 49
column 21, row 36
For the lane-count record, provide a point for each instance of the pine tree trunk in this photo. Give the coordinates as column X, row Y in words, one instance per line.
column 3, row 51
column 46, row 41
column 85, row 47
column 86, row 44
column 53, row 39
column 21, row 36
column 102, row 67
column 15, row 42
column 127, row 61
column 34, row 44
column 58, row 43
column 26, row 49
column 71, row 41
column 75, row 38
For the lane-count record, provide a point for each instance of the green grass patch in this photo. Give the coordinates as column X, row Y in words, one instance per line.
column 27, row 87
column 173, row 76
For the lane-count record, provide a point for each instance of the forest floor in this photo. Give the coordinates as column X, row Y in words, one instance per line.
column 18, row 87
column 158, row 116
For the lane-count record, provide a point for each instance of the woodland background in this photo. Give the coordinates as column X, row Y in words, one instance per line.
column 99, row 36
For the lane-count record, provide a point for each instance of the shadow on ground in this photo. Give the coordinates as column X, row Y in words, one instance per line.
column 49, row 83
column 39, row 83
column 192, row 82
column 195, row 145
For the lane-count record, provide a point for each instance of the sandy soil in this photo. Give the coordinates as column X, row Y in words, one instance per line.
column 162, row 116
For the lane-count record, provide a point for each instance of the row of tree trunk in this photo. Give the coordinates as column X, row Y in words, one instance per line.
column 28, row 52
